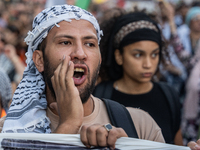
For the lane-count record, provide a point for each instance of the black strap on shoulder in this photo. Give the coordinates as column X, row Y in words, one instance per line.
column 174, row 103
column 104, row 90
column 120, row 117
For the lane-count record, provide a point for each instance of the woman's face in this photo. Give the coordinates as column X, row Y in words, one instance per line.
column 195, row 24
column 140, row 61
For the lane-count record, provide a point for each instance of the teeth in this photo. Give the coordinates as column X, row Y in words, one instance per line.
column 79, row 70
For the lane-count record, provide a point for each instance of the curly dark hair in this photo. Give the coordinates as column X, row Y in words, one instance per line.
column 106, row 24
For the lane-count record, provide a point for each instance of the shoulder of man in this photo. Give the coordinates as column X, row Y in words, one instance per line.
column 145, row 125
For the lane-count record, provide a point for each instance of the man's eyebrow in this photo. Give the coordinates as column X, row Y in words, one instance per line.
column 65, row 36
column 71, row 37
column 90, row 37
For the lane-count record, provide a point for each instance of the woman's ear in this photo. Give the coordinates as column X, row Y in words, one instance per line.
column 118, row 57
column 38, row 60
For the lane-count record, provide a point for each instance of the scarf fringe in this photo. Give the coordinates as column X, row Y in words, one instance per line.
column 43, row 123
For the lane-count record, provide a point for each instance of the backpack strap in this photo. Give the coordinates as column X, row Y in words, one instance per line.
column 120, row 117
column 174, row 104
column 104, row 90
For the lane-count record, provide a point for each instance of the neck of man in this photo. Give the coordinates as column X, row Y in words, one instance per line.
column 88, row 106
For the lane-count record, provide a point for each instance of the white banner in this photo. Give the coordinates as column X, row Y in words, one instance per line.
column 74, row 139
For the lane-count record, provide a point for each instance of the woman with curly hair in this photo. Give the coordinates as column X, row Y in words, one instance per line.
column 132, row 49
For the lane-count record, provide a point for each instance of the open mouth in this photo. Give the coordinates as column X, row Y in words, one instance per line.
column 78, row 73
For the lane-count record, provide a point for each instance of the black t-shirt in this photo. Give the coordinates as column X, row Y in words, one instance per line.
column 153, row 102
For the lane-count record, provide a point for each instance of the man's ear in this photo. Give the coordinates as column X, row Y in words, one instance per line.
column 118, row 57
column 38, row 60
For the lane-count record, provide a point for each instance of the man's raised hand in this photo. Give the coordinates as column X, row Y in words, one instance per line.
column 69, row 105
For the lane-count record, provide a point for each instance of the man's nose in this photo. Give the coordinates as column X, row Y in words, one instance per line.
column 78, row 52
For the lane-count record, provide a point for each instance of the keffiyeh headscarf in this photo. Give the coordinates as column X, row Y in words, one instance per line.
column 27, row 112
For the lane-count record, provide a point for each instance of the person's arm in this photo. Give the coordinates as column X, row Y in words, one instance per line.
column 10, row 52
column 178, row 138
column 182, row 54
column 175, row 41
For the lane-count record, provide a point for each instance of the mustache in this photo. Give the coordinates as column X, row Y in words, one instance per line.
column 77, row 61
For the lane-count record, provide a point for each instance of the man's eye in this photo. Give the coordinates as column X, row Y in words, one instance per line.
column 66, row 42
column 90, row 44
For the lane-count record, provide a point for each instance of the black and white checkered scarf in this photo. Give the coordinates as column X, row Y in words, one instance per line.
column 27, row 112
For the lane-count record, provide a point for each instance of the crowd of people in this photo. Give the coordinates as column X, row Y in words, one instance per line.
column 141, row 56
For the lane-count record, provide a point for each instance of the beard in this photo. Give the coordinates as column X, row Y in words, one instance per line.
column 84, row 92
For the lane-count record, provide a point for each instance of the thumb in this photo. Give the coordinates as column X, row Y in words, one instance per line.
column 54, row 106
column 193, row 146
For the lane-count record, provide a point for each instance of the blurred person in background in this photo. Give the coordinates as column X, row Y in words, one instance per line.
column 101, row 6
column 3, row 19
column 187, row 47
column 132, row 49
column 5, row 93
column 11, row 33
column 10, row 62
column 181, row 10
column 6, row 63
column 174, row 74
column 189, row 33
column 17, row 16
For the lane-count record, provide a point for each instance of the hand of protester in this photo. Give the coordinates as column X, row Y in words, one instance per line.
column 10, row 52
column 69, row 104
column 167, row 9
column 194, row 145
column 97, row 135
column 173, row 69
